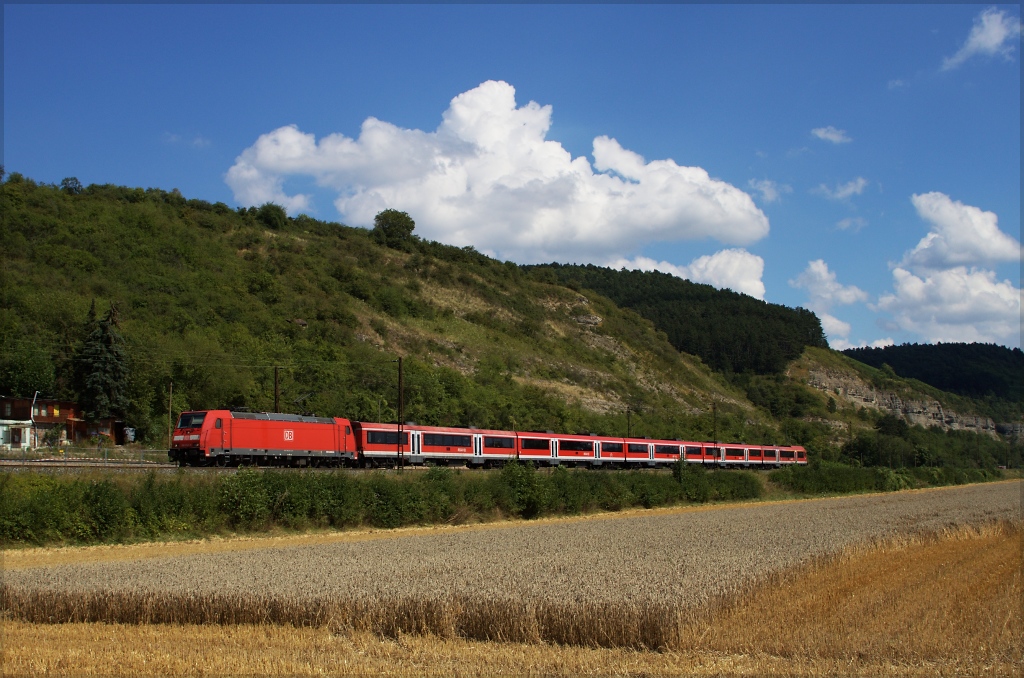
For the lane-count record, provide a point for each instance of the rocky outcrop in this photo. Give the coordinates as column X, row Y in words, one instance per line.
column 592, row 320
column 924, row 411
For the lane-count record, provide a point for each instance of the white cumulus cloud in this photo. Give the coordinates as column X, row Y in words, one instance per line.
column 770, row 191
column 843, row 344
column 830, row 133
column 489, row 177
column 958, row 304
column 825, row 291
column 960, row 235
column 734, row 269
column 942, row 290
column 834, row 327
column 853, row 224
column 993, row 34
column 844, row 191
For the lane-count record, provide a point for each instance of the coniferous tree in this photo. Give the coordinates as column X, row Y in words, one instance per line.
column 101, row 368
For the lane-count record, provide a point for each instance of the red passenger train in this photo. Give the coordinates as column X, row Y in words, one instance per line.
column 228, row 438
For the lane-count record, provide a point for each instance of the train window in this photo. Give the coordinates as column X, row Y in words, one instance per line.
column 191, row 420
column 445, row 440
column 348, row 430
column 502, row 443
column 787, row 454
column 800, row 455
column 218, row 424
column 666, row 449
column 754, row 453
column 534, row 444
column 385, row 438
column 733, row 452
column 692, row 451
column 638, row 448
column 611, row 447
column 576, row 445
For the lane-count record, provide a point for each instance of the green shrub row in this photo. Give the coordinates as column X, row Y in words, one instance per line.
column 44, row 509
column 832, row 478
column 83, row 509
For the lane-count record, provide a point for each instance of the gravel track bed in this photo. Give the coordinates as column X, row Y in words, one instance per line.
column 681, row 559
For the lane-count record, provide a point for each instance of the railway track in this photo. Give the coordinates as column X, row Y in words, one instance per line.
column 168, row 467
column 83, row 463
column 124, row 464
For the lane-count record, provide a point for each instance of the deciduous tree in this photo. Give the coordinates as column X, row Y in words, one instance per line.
column 393, row 228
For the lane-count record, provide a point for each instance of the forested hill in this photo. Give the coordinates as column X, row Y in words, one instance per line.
column 730, row 332
column 972, row 370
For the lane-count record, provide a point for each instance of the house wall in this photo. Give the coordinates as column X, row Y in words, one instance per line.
column 25, row 424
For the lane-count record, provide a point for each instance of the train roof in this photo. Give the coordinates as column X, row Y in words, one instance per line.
column 279, row 416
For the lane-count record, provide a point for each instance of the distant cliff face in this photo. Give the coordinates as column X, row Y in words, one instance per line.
column 924, row 411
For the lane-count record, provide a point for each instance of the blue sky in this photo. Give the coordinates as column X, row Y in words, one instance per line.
column 861, row 161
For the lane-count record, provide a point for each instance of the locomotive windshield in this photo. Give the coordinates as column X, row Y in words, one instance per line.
column 191, row 420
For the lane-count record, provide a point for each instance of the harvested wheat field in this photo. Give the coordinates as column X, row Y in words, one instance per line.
column 749, row 589
column 945, row 604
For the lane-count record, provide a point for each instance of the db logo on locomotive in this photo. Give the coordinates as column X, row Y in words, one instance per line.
column 289, row 434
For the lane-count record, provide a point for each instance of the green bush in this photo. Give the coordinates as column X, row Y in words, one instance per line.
column 825, row 478
column 888, row 480
column 243, row 499
column 519, row 490
column 729, row 485
column 694, row 481
column 833, row 478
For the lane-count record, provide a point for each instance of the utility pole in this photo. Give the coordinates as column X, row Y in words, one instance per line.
column 629, row 426
column 401, row 414
column 515, row 428
column 33, row 442
column 277, row 392
column 170, row 407
column 714, row 426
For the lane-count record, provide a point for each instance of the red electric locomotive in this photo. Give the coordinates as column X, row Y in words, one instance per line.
column 226, row 438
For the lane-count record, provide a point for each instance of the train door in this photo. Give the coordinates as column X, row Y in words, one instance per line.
column 478, row 445
column 650, row 454
column 224, row 429
column 416, row 442
column 554, row 448
column 597, row 450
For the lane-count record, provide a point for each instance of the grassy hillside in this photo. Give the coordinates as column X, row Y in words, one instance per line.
column 731, row 332
column 214, row 299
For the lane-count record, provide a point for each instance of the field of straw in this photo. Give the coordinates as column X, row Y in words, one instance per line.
column 746, row 581
column 938, row 605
